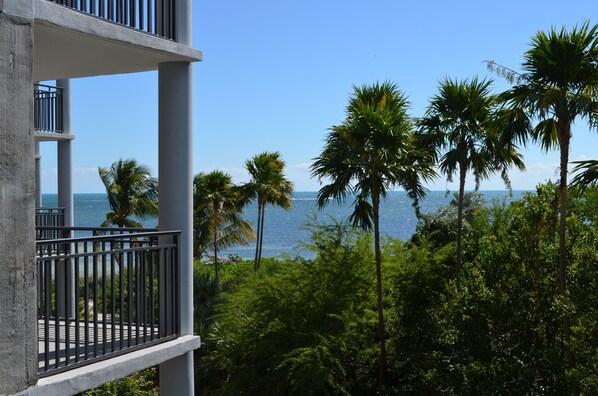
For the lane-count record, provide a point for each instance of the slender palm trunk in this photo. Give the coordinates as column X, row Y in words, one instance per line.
column 462, row 174
column 257, row 241
column 564, row 147
column 259, row 257
column 381, row 331
column 216, row 227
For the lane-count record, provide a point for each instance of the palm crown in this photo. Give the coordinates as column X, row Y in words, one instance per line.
column 131, row 191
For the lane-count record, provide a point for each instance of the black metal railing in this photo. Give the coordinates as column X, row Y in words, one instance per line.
column 47, row 221
column 151, row 16
column 47, row 108
column 100, row 296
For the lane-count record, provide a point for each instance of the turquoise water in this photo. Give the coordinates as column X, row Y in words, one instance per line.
column 284, row 229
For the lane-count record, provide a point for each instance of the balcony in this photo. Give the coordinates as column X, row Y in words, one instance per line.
column 106, row 292
column 156, row 17
column 47, row 109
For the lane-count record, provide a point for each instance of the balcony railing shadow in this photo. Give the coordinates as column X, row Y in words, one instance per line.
column 104, row 294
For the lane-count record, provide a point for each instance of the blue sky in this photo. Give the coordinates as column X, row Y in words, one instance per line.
column 277, row 74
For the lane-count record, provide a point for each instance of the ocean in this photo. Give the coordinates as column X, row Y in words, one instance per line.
column 285, row 230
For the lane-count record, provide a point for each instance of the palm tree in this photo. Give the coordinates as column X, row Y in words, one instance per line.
column 131, row 191
column 460, row 123
column 270, row 186
column 371, row 152
column 559, row 84
column 217, row 214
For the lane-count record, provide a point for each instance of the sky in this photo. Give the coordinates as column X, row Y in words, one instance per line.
column 277, row 74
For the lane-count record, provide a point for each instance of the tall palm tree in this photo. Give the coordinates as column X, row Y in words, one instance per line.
column 270, row 186
column 371, row 152
column 460, row 125
column 132, row 191
column 217, row 214
column 559, row 84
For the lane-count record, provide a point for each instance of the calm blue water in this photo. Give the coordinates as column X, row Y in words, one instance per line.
column 284, row 229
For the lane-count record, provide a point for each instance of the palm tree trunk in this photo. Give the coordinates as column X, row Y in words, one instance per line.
column 216, row 227
column 381, row 332
column 462, row 174
column 259, row 257
column 565, row 138
column 257, row 242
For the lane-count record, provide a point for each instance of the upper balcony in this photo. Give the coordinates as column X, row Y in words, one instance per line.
column 156, row 17
column 85, row 38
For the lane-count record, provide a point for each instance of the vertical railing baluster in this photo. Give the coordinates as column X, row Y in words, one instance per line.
column 67, row 308
column 95, row 300
column 122, row 299
column 56, row 314
column 48, row 307
column 86, row 300
column 77, row 307
column 153, row 285
column 144, row 293
column 104, row 310
column 130, row 296
column 113, row 286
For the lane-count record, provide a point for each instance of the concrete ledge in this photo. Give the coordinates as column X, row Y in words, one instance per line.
column 52, row 136
column 84, row 378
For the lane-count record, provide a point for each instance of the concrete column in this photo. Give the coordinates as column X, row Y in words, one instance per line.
column 38, row 176
column 65, row 197
column 175, row 175
column 18, row 291
column 65, row 157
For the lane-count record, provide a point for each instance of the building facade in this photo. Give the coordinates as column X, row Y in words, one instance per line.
column 82, row 307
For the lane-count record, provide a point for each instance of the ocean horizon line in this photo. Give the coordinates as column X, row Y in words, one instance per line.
column 315, row 191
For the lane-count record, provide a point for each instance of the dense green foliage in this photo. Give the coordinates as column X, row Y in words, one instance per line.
column 310, row 326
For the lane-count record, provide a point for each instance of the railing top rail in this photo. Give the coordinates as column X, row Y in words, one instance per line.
column 102, row 229
column 100, row 238
column 51, row 208
column 48, row 87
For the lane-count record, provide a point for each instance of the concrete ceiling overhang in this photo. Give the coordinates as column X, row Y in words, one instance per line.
column 70, row 44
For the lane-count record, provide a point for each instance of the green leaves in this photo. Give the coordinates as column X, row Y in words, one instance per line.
column 373, row 151
column 131, row 191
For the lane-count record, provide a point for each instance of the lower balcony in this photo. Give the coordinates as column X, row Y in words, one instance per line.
column 104, row 292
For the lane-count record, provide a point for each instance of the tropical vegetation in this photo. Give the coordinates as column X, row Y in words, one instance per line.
column 518, row 317
column 462, row 128
column 131, row 190
column 371, row 152
column 559, row 85
column 268, row 185
column 309, row 326
column 217, row 214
